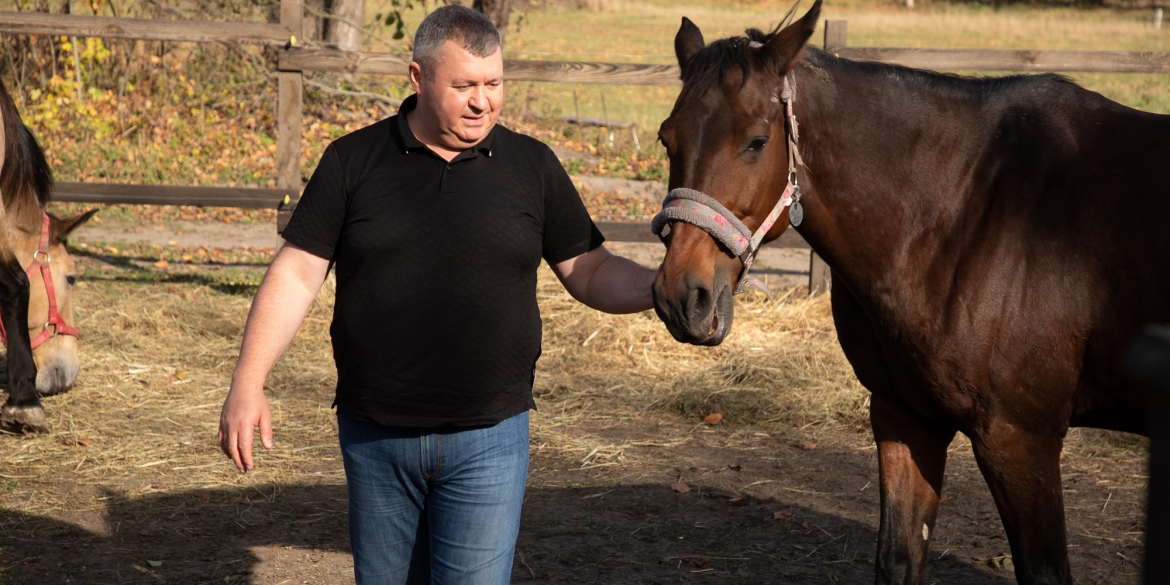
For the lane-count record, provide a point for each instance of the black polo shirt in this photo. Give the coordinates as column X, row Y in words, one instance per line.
column 436, row 322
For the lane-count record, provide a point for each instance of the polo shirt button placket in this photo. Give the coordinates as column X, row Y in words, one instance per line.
column 444, row 185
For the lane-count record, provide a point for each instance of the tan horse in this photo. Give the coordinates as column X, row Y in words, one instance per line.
column 36, row 278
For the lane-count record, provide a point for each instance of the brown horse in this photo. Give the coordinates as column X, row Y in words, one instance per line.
column 36, row 278
column 994, row 245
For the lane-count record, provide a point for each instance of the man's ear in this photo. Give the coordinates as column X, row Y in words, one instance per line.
column 60, row 228
column 782, row 53
column 687, row 42
column 415, row 72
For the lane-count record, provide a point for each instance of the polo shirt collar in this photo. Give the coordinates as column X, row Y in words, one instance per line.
column 410, row 143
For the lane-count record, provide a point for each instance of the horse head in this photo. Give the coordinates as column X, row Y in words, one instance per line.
column 728, row 139
column 56, row 352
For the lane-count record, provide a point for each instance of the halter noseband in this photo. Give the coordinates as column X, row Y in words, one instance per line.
column 703, row 211
column 56, row 321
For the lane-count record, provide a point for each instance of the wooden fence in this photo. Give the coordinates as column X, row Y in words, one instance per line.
column 295, row 59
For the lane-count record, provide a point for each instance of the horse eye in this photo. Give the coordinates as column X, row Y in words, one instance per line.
column 756, row 145
column 72, row 280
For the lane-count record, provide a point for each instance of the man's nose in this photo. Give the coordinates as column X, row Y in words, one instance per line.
column 478, row 100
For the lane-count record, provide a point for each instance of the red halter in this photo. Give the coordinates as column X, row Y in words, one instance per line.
column 56, row 321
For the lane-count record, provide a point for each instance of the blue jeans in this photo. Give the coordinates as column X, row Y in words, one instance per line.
column 434, row 506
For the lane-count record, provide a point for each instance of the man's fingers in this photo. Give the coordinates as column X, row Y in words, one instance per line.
column 266, row 429
column 245, row 445
column 233, row 450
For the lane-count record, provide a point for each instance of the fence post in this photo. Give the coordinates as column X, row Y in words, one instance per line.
column 1157, row 18
column 288, row 119
column 836, row 32
column 819, row 279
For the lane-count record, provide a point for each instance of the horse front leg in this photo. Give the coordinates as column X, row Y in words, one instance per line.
column 1022, row 469
column 23, row 408
column 912, row 454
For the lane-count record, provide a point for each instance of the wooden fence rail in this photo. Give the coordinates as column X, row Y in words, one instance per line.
column 1007, row 60
column 243, row 197
column 514, row 69
column 195, row 31
column 295, row 59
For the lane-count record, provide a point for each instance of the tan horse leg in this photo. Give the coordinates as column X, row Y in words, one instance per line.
column 912, row 455
column 1023, row 471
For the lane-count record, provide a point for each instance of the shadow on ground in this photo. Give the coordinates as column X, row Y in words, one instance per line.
column 627, row 534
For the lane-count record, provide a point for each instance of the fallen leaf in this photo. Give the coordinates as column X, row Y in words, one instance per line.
column 703, row 565
column 781, row 514
column 85, row 442
column 712, row 419
column 161, row 264
column 806, row 445
column 680, row 487
column 155, row 564
column 173, row 243
column 180, row 375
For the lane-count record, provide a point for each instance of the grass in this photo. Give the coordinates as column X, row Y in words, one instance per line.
column 203, row 114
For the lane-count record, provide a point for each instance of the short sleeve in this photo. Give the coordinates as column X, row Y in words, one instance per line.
column 316, row 223
column 568, row 229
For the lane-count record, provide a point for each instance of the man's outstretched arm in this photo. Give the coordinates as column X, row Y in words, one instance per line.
column 606, row 282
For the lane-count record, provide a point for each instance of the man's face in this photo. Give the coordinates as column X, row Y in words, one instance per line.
column 461, row 98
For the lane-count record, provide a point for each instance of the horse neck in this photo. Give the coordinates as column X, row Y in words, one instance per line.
column 25, row 177
column 886, row 168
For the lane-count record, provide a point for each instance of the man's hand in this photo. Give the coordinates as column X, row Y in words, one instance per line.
column 244, row 410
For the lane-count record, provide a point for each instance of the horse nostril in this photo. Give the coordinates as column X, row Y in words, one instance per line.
column 698, row 302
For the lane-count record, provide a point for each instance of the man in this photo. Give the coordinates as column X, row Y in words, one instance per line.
column 437, row 220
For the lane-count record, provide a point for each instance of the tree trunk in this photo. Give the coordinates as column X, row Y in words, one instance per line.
column 346, row 29
column 313, row 24
column 497, row 10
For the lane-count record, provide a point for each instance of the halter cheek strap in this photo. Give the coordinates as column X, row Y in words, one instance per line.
column 703, row 211
column 55, row 320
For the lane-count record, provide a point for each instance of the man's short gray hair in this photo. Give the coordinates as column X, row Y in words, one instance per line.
column 472, row 30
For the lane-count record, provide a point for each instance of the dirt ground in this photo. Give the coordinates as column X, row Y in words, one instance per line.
column 760, row 509
column 130, row 489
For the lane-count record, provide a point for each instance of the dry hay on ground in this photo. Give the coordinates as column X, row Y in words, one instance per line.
column 130, row 475
column 157, row 362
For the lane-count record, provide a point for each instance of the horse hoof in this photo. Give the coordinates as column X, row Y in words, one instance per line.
column 22, row 419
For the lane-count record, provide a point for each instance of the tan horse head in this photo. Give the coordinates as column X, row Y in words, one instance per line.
column 55, row 356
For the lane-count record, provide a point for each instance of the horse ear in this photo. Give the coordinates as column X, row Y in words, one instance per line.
column 687, row 42
column 784, row 50
column 60, row 228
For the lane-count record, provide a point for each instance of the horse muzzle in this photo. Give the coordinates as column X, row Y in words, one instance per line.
column 694, row 312
column 56, row 371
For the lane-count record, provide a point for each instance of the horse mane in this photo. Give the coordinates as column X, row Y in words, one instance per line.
column 951, row 84
column 707, row 69
column 25, row 179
